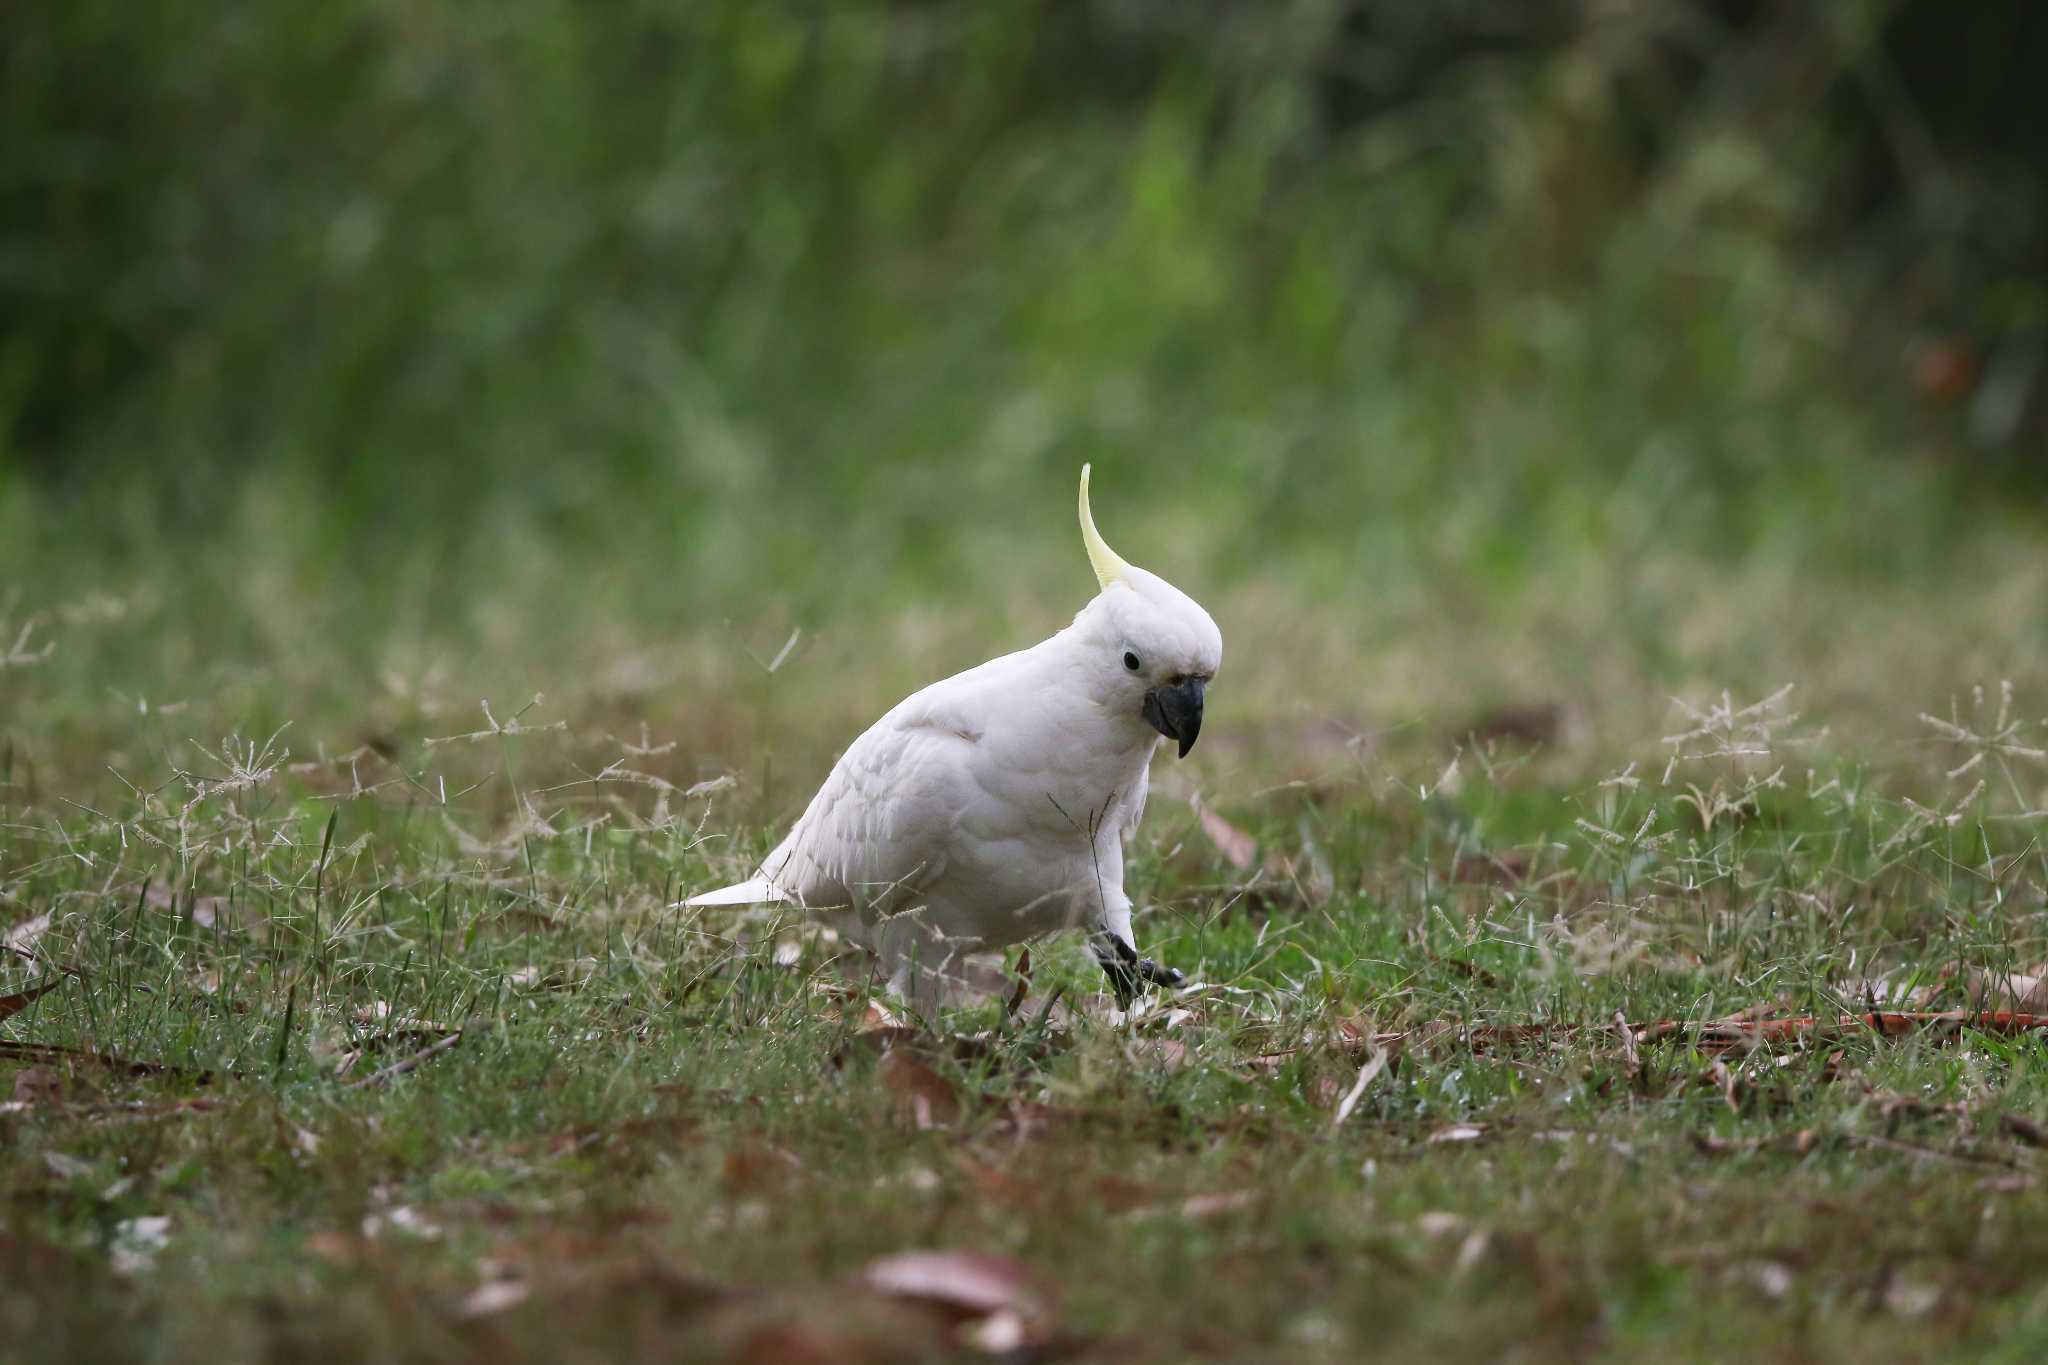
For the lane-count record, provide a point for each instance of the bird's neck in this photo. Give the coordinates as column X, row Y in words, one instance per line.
column 1110, row 726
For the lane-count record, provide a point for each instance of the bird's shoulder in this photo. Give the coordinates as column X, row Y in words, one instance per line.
column 935, row 728
column 964, row 706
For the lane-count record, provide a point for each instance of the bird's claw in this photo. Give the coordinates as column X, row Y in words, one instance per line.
column 1159, row 974
column 1127, row 971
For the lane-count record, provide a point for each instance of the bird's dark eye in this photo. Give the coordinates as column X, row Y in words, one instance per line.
column 1131, row 661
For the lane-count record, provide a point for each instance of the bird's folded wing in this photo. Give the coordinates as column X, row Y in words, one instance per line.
column 882, row 824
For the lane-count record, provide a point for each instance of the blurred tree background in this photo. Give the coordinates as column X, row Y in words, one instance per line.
column 425, row 320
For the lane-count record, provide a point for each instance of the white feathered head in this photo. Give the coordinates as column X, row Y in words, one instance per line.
column 1149, row 644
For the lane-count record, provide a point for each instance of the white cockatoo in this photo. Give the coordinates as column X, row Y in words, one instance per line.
column 994, row 806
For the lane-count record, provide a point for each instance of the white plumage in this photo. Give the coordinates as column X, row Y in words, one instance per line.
column 993, row 806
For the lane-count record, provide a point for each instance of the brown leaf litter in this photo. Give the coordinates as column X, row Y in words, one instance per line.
column 1238, row 848
column 920, row 1095
column 921, row 1303
column 1746, row 1031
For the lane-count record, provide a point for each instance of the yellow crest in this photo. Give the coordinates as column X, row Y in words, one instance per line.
column 1108, row 567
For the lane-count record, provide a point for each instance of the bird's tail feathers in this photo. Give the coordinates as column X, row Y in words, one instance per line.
column 759, row 891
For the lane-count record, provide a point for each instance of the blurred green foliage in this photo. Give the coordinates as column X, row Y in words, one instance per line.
column 384, row 295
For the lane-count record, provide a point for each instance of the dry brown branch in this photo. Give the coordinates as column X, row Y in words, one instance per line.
column 399, row 1068
column 1941, row 1025
column 1710, row 1035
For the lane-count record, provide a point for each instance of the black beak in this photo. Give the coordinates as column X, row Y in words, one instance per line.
column 1176, row 711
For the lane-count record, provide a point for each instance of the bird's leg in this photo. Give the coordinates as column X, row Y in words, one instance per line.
column 1119, row 962
column 1125, row 969
column 915, row 960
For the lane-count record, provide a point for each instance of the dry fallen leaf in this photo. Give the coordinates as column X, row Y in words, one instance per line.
column 969, row 981
column 1911, row 1298
column 65, row 1166
column 1199, row 1207
column 2021, row 988
column 789, row 1344
column 1115, row 1193
column 1471, row 1251
column 335, row 1247
column 919, row 1093
column 1238, row 848
column 495, row 1296
column 206, row 911
column 21, row 939
column 1312, row 870
column 137, row 1242
column 879, row 1016
column 967, row 1284
column 20, row 1000
column 998, row 1184
column 404, row 1218
column 1774, row 1278
column 2023, row 1128
column 295, row 1139
column 1374, row 1065
column 1729, row 1083
column 1946, row 370
column 1050, row 1012
column 1324, row 1092
column 1894, row 990
column 1022, row 991
column 759, row 1167
column 1506, row 868
column 35, row 1085
column 1534, row 723
column 1002, row 1332
column 1170, row 1053
column 1709, row 1144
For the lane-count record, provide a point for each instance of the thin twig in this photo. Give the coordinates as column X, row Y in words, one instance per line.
column 1940, row 1024
column 399, row 1068
column 1926, row 1153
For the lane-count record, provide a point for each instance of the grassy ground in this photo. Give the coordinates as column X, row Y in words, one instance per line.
column 379, row 362
column 385, row 1041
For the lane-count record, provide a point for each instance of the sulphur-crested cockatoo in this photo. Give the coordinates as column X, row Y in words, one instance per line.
column 994, row 806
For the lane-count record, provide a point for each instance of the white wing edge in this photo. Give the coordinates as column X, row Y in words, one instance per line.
column 759, row 891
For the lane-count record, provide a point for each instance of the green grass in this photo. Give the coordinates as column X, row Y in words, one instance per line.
column 372, row 362
column 671, row 1132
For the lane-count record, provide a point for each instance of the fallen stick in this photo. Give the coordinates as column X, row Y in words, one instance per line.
column 1710, row 1035
column 1945, row 1025
column 14, row 1004
column 1925, row 1153
column 55, row 1054
column 401, row 1067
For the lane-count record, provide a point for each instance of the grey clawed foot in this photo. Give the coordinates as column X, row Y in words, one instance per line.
column 1126, row 970
column 1159, row 974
